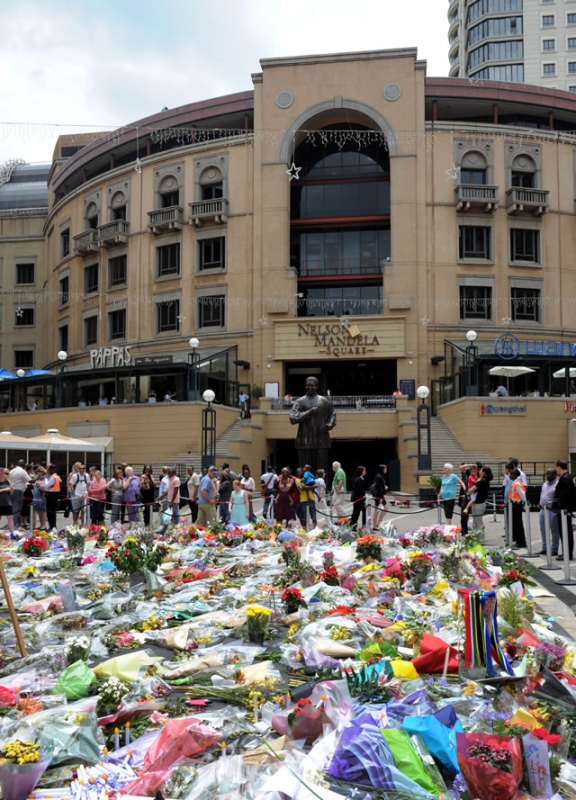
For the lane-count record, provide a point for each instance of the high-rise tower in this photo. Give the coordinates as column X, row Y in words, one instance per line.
column 522, row 41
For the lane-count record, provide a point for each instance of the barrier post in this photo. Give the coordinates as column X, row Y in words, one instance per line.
column 494, row 507
column 549, row 566
column 566, row 580
column 439, row 507
column 528, row 533
column 509, row 524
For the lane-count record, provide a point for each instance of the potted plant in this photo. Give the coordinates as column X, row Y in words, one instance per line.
column 257, row 392
column 258, row 620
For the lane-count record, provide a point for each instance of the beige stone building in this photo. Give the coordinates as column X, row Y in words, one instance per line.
column 350, row 219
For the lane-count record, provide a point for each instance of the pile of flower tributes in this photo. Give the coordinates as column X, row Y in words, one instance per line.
column 271, row 662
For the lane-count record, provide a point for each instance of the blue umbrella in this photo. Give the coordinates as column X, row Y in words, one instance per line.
column 6, row 375
column 32, row 373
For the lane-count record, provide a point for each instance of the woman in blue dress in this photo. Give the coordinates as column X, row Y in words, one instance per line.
column 239, row 505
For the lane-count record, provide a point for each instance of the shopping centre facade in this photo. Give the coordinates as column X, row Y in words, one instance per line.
column 350, row 219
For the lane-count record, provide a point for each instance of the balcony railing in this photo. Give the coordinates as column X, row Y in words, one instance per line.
column 470, row 195
column 534, row 201
column 113, row 233
column 86, row 242
column 166, row 219
column 208, row 210
column 351, row 401
column 319, row 268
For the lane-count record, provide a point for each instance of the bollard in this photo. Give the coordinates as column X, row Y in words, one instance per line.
column 494, row 507
column 528, row 532
column 566, row 580
column 509, row 524
column 439, row 512
column 548, row 566
column 369, row 507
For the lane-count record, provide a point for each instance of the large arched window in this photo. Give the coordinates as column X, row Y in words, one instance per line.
column 340, row 221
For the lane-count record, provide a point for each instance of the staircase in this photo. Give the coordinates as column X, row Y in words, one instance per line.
column 228, row 447
column 447, row 449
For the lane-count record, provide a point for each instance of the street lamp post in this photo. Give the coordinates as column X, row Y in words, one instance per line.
column 208, row 430
column 193, row 369
column 471, row 365
column 62, row 356
column 423, row 431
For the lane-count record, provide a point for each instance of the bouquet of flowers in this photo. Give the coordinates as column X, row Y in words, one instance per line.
column 491, row 765
column 290, row 553
column 34, row 546
column 369, row 547
column 513, row 576
column 77, row 649
column 110, row 694
column 550, row 655
column 306, row 720
column 420, row 568
column 328, row 559
column 21, row 768
column 258, row 620
column 75, row 539
column 293, row 599
column 133, row 556
column 329, row 575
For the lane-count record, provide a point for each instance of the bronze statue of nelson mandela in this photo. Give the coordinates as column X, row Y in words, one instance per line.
column 315, row 417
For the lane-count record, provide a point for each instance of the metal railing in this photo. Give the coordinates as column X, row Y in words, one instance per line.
column 165, row 216
column 349, row 266
column 343, row 401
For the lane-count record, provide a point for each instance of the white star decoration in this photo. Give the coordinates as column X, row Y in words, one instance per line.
column 424, row 321
column 506, row 320
column 293, row 172
column 263, row 320
column 344, row 321
column 19, row 312
column 453, row 172
column 181, row 318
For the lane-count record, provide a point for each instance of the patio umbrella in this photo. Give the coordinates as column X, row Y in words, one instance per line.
column 32, row 373
column 6, row 375
column 505, row 371
column 561, row 373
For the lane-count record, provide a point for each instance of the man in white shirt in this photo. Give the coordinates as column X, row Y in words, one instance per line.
column 19, row 479
column 268, row 483
column 193, row 484
column 79, row 495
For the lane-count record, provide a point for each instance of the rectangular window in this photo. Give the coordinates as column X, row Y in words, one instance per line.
column 548, row 20
column 118, row 213
column 168, row 260
column 23, row 359
column 548, row 69
column 25, row 274
column 572, row 89
column 525, row 245
column 213, row 191
column 476, row 302
column 117, row 271
column 117, row 324
column 571, row 43
column 64, row 291
column 212, row 311
column 91, row 330
column 523, row 179
column 525, row 305
column 548, row 45
column 477, row 177
column 168, row 316
column 572, row 67
column 570, row 19
column 169, row 199
column 91, row 279
column 24, row 316
column 473, row 241
column 92, row 223
column 65, row 243
column 63, row 337
column 212, row 253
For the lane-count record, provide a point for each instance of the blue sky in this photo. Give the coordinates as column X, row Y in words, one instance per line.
column 114, row 61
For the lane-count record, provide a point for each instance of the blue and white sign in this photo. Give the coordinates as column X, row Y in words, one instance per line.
column 508, row 346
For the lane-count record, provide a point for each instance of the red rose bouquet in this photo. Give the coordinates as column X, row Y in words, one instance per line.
column 34, row 546
column 491, row 765
column 306, row 720
column 293, row 599
column 330, row 576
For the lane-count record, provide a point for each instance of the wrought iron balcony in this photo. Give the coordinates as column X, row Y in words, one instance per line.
column 166, row 219
column 111, row 234
column 86, row 242
column 208, row 211
column 470, row 195
column 533, row 201
column 319, row 268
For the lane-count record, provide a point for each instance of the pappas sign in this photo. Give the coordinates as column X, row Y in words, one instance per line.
column 508, row 346
column 110, row 357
